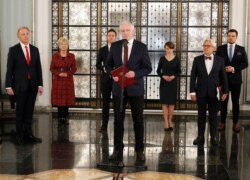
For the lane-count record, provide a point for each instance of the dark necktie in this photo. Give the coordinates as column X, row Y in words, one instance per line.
column 208, row 57
column 27, row 59
column 125, row 53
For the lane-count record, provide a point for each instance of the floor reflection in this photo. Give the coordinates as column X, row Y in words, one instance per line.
column 80, row 145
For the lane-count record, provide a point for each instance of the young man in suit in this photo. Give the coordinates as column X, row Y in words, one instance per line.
column 24, row 71
column 235, row 61
column 206, row 75
column 106, row 79
column 133, row 55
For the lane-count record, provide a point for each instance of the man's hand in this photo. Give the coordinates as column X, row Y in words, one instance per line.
column 116, row 78
column 229, row 69
column 223, row 97
column 10, row 91
column 193, row 98
column 130, row 74
column 40, row 90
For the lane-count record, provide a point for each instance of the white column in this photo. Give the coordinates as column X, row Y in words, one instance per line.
column 42, row 39
column 238, row 20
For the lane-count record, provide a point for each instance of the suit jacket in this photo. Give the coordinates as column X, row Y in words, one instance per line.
column 18, row 69
column 139, row 62
column 206, row 84
column 101, row 61
column 239, row 62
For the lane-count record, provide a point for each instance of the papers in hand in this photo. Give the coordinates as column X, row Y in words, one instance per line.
column 120, row 73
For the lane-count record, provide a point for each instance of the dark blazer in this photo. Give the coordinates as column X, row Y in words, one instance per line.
column 139, row 62
column 101, row 61
column 239, row 62
column 17, row 68
column 204, row 84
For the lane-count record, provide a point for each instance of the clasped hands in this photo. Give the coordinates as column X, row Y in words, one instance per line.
column 229, row 69
column 63, row 74
column 168, row 78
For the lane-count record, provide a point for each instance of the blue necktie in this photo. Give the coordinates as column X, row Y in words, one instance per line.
column 230, row 52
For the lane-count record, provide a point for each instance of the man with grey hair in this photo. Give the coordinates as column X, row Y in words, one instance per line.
column 132, row 55
column 24, row 80
column 207, row 74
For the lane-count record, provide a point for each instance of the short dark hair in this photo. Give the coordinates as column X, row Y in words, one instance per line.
column 169, row 44
column 233, row 30
column 112, row 30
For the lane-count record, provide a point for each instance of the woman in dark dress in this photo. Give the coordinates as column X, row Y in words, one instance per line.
column 63, row 67
column 168, row 70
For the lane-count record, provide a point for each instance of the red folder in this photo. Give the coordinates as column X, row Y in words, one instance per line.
column 123, row 81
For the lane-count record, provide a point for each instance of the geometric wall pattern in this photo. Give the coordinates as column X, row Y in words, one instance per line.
column 186, row 23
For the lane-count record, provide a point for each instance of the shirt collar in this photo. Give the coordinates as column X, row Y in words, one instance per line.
column 130, row 42
column 228, row 44
column 23, row 45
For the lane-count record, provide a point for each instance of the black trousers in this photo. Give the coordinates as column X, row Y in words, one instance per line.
column 212, row 105
column 25, row 103
column 235, row 90
column 136, row 103
column 106, row 88
column 63, row 111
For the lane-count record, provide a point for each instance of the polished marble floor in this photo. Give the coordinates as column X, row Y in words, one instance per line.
column 78, row 150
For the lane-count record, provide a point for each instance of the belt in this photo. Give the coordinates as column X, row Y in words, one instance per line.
column 62, row 69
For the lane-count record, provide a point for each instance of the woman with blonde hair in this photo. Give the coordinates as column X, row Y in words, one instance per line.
column 63, row 67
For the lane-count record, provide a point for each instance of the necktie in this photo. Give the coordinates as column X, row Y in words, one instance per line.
column 230, row 52
column 27, row 59
column 27, row 55
column 208, row 57
column 125, row 54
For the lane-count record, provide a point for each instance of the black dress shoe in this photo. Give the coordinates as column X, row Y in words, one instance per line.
column 117, row 155
column 18, row 140
column 103, row 129
column 199, row 141
column 32, row 139
column 140, row 156
column 213, row 141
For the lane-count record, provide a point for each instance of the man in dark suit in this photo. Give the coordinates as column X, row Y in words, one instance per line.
column 138, row 65
column 106, row 79
column 206, row 75
column 235, row 61
column 25, row 73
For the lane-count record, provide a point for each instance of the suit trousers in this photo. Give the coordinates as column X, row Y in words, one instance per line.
column 211, row 104
column 25, row 102
column 136, row 103
column 106, row 89
column 235, row 90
